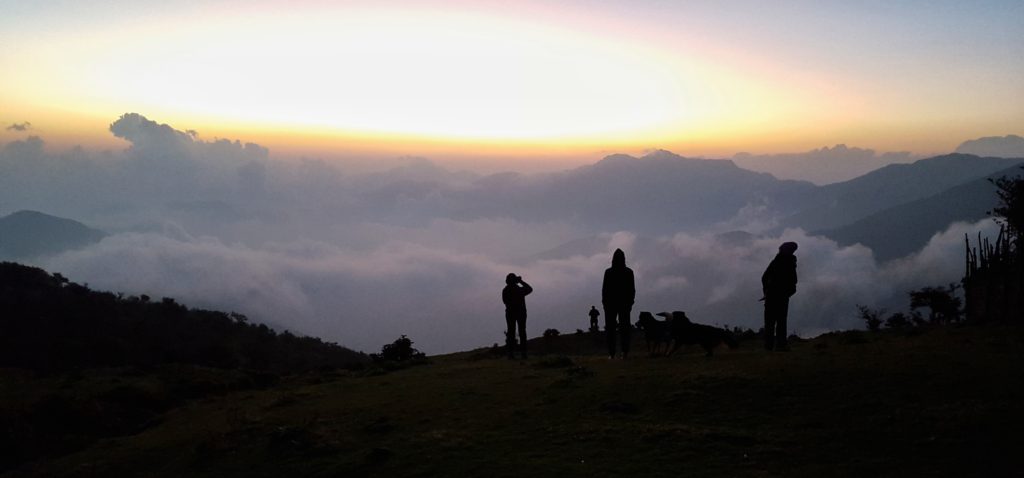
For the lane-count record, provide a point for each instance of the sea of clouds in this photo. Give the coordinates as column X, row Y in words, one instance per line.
column 363, row 258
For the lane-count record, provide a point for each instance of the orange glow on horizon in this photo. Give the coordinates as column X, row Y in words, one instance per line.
column 463, row 81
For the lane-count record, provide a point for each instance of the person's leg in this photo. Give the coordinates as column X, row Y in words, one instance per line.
column 781, row 334
column 510, row 333
column 521, row 322
column 624, row 331
column 769, row 323
column 609, row 330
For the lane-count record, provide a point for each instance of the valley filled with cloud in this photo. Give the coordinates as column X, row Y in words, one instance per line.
column 360, row 258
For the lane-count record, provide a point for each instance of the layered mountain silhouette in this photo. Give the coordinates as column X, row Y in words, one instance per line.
column 839, row 204
column 29, row 234
column 894, row 210
column 1009, row 146
column 901, row 230
column 660, row 192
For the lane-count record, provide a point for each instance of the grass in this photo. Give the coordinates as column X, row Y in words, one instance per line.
column 945, row 402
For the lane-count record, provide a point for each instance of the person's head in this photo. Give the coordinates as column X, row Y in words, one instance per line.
column 618, row 258
column 787, row 248
column 511, row 278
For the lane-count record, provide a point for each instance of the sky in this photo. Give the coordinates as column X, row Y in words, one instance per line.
column 518, row 85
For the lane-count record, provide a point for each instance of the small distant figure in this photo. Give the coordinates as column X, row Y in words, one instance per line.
column 514, row 296
column 779, row 284
column 617, row 294
column 594, row 314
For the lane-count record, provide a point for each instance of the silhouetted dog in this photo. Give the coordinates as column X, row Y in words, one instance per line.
column 685, row 332
column 656, row 332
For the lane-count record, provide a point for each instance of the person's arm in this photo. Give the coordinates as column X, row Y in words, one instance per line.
column 632, row 287
column 526, row 287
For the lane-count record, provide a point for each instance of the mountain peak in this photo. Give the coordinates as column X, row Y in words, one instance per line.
column 26, row 234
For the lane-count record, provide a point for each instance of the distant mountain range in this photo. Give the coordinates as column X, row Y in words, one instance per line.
column 1009, row 146
column 658, row 193
column 893, row 210
column 29, row 234
column 835, row 205
column 901, row 230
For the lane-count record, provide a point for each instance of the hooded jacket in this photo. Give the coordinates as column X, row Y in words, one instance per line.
column 619, row 288
column 779, row 279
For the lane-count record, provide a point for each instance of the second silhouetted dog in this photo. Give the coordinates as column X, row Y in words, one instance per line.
column 685, row 332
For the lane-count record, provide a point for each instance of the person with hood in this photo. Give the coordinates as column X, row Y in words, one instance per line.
column 779, row 284
column 514, row 296
column 617, row 294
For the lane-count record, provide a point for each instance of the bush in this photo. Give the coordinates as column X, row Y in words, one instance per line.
column 942, row 302
column 551, row 333
column 873, row 317
column 400, row 350
column 899, row 320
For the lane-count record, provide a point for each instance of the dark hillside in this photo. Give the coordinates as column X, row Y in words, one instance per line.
column 936, row 401
column 50, row 324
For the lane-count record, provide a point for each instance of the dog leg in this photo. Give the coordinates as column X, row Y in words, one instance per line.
column 675, row 346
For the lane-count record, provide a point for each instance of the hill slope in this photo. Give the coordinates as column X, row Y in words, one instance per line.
column 52, row 325
column 944, row 402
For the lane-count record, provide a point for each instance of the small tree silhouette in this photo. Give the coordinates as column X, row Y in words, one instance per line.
column 943, row 304
column 898, row 320
column 873, row 317
column 1010, row 212
column 398, row 351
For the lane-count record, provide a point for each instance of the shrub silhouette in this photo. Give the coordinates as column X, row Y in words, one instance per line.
column 872, row 317
column 1010, row 211
column 943, row 304
column 400, row 350
column 551, row 333
column 899, row 320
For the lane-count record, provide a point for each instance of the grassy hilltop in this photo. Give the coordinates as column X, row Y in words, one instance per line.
column 940, row 401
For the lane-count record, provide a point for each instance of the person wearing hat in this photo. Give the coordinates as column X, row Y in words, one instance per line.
column 778, row 284
column 514, row 296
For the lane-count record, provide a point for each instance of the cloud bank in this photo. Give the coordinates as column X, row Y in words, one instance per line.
column 449, row 300
column 419, row 250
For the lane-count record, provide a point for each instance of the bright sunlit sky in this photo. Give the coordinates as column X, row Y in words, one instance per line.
column 522, row 80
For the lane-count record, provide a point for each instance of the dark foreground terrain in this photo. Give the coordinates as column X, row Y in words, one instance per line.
column 942, row 401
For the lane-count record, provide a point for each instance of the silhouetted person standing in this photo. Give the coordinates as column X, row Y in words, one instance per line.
column 617, row 294
column 594, row 314
column 514, row 296
column 778, row 283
